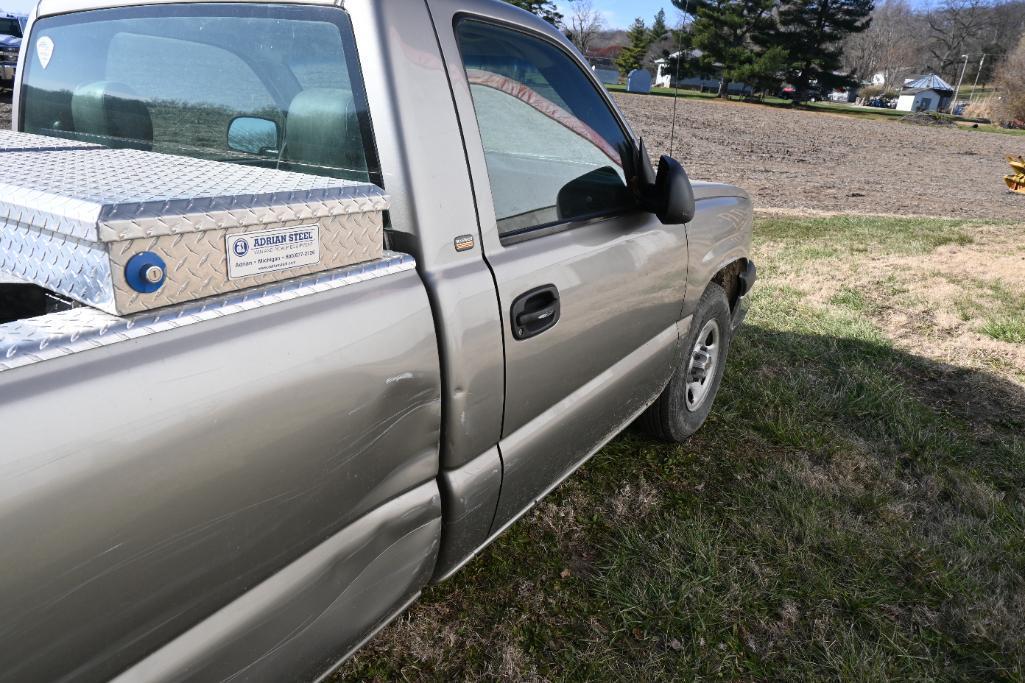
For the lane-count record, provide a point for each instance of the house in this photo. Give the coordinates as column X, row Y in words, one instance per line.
column 928, row 92
column 665, row 78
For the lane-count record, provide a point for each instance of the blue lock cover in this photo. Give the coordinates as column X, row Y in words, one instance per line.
column 140, row 272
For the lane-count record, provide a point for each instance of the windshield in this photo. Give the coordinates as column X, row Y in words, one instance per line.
column 9, row 26
column 269, row 85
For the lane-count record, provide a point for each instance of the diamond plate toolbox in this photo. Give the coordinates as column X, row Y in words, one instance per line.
column 126, row 231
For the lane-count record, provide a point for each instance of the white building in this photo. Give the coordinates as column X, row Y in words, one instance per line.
column 925, row 93
column 665, row 78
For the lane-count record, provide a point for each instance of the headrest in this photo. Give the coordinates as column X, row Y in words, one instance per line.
column 111, row 114
column 321, row 130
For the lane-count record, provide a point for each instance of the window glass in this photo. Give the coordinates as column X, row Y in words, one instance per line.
column 10, row 26
column 553, row 147
column 269, row 85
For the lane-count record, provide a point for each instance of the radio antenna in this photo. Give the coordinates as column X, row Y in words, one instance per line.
column 676, row 78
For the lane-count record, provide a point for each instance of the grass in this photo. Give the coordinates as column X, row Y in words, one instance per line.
column 852, row 510
column 1002, row 310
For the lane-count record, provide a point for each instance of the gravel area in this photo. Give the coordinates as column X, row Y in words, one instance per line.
column 809, row 161
column 801, row 161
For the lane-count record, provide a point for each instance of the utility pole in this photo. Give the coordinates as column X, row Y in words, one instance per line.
column 953, row 102
column 978, row 73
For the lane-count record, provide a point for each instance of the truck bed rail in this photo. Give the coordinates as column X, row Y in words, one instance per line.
column 33, row 340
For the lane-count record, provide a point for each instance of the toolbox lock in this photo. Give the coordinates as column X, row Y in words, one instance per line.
column 145, row 272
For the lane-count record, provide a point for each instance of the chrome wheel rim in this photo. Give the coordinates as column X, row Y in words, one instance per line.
column 704, row 358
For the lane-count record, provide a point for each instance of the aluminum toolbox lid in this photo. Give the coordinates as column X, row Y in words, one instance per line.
column 105, row 195
column 11, row 141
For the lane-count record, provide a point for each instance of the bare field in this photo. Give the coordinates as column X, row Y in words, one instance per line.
column 807, row 162
column 813, row 161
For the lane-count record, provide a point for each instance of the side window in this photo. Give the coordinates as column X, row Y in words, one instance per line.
column 553, row 147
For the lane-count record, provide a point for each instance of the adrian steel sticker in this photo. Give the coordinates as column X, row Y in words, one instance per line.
column 253, row 253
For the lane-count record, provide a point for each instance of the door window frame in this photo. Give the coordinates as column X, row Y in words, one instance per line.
column 554, row 227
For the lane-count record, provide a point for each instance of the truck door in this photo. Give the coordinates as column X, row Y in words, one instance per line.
column 591, row 288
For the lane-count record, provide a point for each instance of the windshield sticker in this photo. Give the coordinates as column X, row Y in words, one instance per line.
column 44, row 50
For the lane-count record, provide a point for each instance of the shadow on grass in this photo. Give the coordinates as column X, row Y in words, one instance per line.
column 849, row 511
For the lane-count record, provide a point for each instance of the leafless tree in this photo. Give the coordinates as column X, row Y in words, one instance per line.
column 583, row 24
column 893, row 45
column 953, row 28
column 1010, row 82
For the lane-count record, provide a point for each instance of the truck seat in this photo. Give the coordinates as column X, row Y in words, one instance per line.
column 111, row 114
column 322, row 135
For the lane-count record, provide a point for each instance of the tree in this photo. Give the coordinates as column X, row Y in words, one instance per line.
column 812, row 32
column 892, row 46
column 659, row 30
column 632, row 56
column 766, row 71
column 1010, row 80
column 952, row 28
column 584, row 25
column 731, row 34
column 662, row 40
column 545, row 9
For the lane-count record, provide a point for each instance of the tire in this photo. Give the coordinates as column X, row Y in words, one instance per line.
column 682, row 407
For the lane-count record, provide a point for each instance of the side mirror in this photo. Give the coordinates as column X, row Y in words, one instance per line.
column 673, row 195
column 668, row 194
column 253, row 135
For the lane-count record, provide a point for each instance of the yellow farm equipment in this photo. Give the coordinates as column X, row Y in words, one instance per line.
column 1016, row 181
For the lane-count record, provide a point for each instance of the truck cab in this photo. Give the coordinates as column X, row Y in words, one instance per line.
column 252, row 491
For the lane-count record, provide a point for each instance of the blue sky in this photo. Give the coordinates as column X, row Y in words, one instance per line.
column 618, row 13
column 621, row 13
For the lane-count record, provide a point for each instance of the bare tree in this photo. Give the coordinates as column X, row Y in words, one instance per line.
column 583, row 24
column 953, row 29
column 1010, row 80
column 893, row 45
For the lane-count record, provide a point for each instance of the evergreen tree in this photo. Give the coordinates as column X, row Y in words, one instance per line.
column 545, row 9
column 766, row 72
column 659, row 30
column 812, row 32
column 729, row 34
column 632, row 56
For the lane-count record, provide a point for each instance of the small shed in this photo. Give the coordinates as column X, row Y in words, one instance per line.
column 925, row 93
column 638, row 80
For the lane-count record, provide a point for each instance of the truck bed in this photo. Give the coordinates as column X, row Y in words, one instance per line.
column 192, row 453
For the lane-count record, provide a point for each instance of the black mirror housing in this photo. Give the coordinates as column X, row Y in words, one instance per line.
column 673, row 193
column 667, row 194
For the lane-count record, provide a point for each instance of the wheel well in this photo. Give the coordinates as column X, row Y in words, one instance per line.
column 728, row 278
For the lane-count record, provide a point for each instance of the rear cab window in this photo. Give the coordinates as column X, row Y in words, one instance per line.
column 278, row 86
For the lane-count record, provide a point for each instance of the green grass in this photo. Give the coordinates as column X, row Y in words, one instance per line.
column 849, row 512
column 670, row 92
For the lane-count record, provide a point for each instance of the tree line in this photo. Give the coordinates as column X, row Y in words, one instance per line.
column 762, row 43
column 973, row 36
column 823, row 44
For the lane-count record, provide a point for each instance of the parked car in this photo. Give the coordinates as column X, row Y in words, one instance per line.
column 248, row 485
column 11, row 29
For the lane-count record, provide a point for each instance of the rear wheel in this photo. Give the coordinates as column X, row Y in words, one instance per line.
column 687, row 399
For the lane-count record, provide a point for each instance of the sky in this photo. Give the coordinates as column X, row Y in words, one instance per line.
column 618, row 13
column 621, row 13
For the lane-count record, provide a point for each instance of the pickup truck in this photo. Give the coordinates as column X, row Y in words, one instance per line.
column 248, row 489
column 11, row 27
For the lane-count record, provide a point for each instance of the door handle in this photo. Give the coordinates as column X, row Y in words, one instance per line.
column 535, row 311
